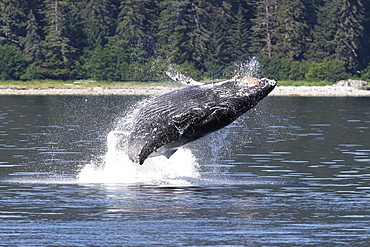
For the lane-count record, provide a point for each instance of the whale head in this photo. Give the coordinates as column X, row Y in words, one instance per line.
column 259, row 86
column 244, row 93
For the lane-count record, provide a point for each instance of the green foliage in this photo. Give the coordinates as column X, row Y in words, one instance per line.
column 188, row 69
column 175, row 22
column 13, row 63
column 107, row 63
column 338, row 32
column 32, row 46
column 291, row 29
column 11, row 21
column 283, row 68
column 152, row 70
column 98, row 18
column 137, row 39
column 365, row 73
column 329, row 70
column 33, row 72
column 55, row 69
column 304, row 83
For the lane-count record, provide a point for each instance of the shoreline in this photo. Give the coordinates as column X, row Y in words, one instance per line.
column 297, row 91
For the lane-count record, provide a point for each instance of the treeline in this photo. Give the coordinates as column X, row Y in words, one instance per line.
column 139, row 39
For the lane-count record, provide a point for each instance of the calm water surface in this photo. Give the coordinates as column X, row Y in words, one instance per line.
column 294, row 171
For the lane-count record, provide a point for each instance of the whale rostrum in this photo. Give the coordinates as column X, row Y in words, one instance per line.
column 166, row 122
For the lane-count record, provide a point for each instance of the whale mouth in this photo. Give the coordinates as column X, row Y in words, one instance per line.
column 268, row 81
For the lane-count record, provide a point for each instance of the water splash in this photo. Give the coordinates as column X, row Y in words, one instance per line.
column 181, row 169
column 250, row 67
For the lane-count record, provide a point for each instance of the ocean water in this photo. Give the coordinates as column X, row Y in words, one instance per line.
column 294, row 171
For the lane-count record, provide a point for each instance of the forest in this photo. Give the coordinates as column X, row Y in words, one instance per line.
column 137, row 40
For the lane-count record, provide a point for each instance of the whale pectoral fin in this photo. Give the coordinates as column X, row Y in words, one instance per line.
column 149, row 147
column 178, row 77
column 145, row 151
column 168, row 153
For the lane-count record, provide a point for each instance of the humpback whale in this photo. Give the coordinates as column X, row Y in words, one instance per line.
column 166, row 122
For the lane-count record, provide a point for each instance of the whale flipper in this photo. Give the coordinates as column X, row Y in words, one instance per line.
column 169, row 152
column 178, row 77
column 151, row 148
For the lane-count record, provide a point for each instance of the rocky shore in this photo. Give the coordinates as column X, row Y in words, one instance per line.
column 320, row 91
column 312, row 91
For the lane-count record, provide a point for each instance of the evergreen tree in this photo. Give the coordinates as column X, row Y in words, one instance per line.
column 239, row 34
column 131, row 21
column 133, row 38
column 13, row 62
column 11, row 21
column 74, row 30
column 57, row 46
column 338, row 32
column 175, row 24
column 218, row 56
column 98, row 21
column 264, row 26
column 291, row 30
column 365, row 51
column 136, row 25
column 199, row 35
column 32, row 46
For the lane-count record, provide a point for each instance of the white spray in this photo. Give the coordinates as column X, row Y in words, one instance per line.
column 116, row 167
column 250, row 68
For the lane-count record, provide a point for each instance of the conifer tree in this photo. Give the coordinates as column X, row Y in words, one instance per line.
column 239, row 35
column 338, row 32
column 206, row 37
column 199, row 35
column 136, row 25
column 11, row 21
column 175, row 24
column 131, row 21
column 365, row 51
column 264, row 26
column 32, row 45
column 98, row 21
column 218, row 55
column 291, row 29
column 57, row 43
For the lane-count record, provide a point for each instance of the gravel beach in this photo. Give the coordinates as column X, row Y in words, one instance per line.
column 312, row 91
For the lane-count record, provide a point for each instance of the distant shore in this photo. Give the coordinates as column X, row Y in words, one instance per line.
column 309, row 91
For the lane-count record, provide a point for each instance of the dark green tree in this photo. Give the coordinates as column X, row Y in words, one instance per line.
column 110, row 62
column 98, row 21
column 175, row 24
column 239, row 35
column 13, row 63
column 131, row 21
column 338, row 32
column 264, row 26
column 291, row 29
column 218, row 54
column 57, row 64
column 32, row 43
column 137, row 26
column 12, row 21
